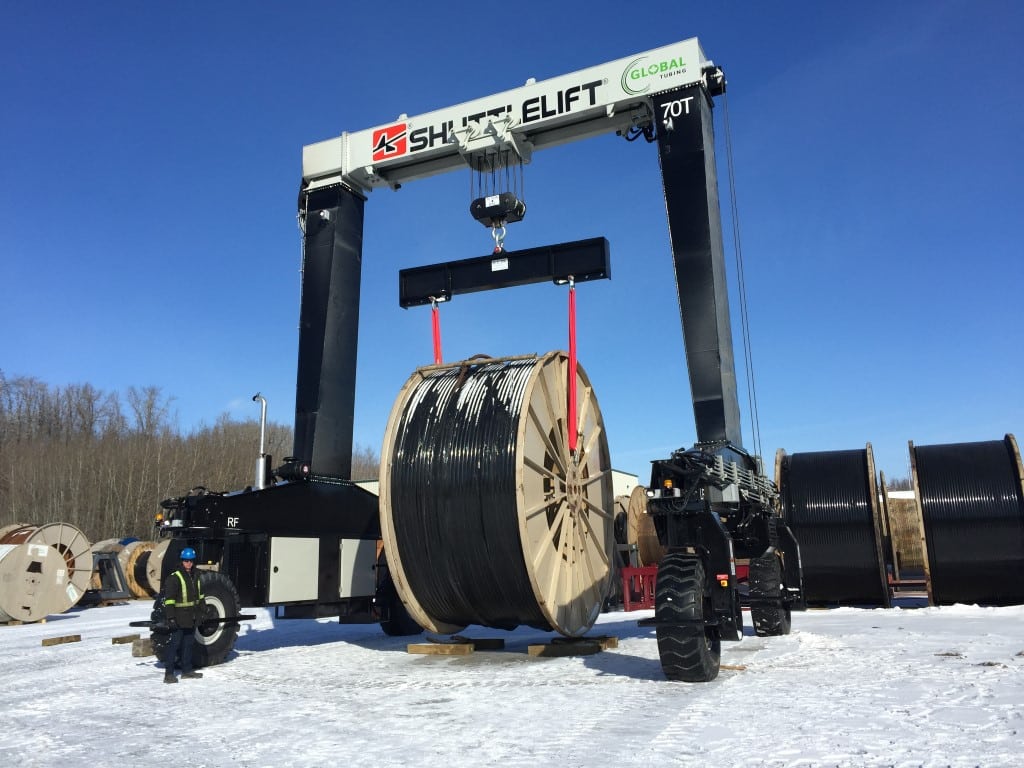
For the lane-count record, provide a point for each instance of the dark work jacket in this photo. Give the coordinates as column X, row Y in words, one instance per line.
column 183, row 594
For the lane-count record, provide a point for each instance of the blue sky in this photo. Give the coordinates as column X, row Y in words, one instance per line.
column 150, row 161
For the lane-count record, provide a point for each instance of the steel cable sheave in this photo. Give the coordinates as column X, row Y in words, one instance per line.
column 486, row 516
column 973, row 517
column 828, row 505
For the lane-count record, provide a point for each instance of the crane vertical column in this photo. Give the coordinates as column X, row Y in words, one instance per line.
column 329, row 330
column 686, row 150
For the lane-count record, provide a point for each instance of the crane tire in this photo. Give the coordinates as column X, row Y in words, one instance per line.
column 212, row 646
column 765, row 582
column 398, row 622
column 159, row 635
column 690, row 651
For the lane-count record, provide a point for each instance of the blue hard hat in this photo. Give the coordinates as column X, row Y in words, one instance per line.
column 188, row 554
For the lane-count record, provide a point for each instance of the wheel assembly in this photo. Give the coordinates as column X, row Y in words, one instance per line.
column 214, row 640
column 767, row 613
column 688, row 644
column 395, row 621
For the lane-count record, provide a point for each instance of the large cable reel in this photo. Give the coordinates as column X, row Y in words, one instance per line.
column 487, row 517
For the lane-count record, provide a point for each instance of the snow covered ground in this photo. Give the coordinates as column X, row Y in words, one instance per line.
column 931, row 686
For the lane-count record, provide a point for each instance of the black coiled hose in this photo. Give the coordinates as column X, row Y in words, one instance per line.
column 488, row 517
column 827, row 502
column 973, row 515
column 453, row 492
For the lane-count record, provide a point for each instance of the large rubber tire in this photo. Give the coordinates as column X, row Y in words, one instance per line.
column 159, row 634
column 765, row 581
column 398, row 622
column 214, row 643
column 690, row 651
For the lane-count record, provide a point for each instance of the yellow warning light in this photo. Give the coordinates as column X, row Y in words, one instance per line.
column 159, row 516
column 667, row 483
column 724, row 582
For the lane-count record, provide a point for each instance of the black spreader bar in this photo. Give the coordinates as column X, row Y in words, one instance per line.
column 582, row 259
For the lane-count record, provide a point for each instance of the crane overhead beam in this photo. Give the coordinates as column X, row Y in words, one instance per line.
column 613, row 97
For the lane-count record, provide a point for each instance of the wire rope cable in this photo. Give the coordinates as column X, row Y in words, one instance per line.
column 486, row 516
column 972, row 513
column 748, row 356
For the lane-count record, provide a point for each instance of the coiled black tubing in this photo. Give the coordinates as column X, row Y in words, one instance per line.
column 973, row 517
column 453, row 497
column 487, row 516
column 827, row 503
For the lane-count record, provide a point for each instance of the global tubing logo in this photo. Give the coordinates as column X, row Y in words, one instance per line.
column 637, row 76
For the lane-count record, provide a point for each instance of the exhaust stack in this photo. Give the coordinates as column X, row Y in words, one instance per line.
column 264, row 461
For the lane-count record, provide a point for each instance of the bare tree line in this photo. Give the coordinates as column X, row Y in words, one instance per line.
column 79, row 455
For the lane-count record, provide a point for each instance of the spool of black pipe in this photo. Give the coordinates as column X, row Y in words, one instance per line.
column 828, row 503
column 973, row 516
column 486, row 516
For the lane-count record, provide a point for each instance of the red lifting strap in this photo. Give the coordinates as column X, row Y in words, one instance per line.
column 435, row 320
column 571, row 427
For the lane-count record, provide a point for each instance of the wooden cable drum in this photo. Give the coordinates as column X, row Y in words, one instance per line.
column 75, row 548
column 133, row 559
column 18, row 533
column 6, row 529
column 486, row 517
column 830, row 502
column 641, row 530
column 46, row 570
column 108, row 545
column 972, row 515
column 155, row 564
column 33, row 582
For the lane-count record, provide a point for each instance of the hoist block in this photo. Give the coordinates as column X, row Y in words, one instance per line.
column 498, row 210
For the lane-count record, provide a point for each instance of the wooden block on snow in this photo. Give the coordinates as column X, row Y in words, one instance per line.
column 605, row 641
column 61, row 640
column 124, row 639
column 440, row 649
column 142, row 647
column 575, row 648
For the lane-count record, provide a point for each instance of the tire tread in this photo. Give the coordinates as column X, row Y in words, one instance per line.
column 688, row 653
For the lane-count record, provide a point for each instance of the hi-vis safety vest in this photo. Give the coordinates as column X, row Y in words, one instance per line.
column 184, row 592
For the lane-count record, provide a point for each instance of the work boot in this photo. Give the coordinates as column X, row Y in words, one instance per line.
column 170, row 678
column 192, row 675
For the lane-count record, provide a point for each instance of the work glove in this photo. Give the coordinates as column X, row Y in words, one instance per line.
column 172, row 623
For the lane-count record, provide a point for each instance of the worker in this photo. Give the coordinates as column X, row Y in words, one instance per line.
column 183, row 604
